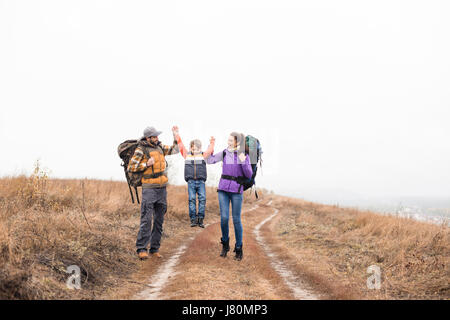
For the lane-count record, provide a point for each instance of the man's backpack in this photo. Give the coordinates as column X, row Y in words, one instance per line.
column 254, row 151
column 126, row 151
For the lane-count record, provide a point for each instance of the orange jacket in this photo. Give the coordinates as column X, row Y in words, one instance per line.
column 139, row 163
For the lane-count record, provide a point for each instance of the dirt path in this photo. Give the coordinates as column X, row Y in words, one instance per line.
column 298, row 287
column 164, row 273
column 196, row 271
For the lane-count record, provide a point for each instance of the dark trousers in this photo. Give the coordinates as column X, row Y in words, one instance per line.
column 153, row 209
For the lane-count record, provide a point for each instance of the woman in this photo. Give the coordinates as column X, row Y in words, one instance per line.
column 236, row 166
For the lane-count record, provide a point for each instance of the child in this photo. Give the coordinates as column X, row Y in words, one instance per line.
column 195, row 175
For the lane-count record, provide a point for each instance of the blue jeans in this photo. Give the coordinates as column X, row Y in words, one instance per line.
column 236, row 205
column 196, row 187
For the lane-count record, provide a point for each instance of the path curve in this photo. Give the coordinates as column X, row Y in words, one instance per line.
column 293, row 282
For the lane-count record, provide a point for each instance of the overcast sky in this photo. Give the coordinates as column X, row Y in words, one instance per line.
column 345, row 96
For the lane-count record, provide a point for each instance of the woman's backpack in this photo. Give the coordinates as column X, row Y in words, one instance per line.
column 254, row 151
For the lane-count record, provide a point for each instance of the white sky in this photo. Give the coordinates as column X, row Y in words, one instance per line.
column 350, row 96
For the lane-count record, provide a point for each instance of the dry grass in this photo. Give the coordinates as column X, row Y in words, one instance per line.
column 333, row 247
column 47, row 225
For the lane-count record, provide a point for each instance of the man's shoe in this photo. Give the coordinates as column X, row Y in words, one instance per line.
column 200, row 223
column 193, row 222
column 156, row 255
column 143, row 255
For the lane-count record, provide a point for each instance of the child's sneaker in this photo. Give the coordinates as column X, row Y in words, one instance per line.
column 193, row 222
column 200, row 223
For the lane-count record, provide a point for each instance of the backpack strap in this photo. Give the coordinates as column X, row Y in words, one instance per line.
column 145, row 150
column 236, row 179
column 239, row 180
column 137, row 194
column 153, row 175
column 128, row 182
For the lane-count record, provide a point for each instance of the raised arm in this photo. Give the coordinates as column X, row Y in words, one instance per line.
column 210, row 150
column 214, row 158
column 177, row 137
column 181, row 147
column 173, row 149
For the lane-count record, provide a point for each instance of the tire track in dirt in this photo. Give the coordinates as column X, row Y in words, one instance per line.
column 164, row 273
column 293, row 282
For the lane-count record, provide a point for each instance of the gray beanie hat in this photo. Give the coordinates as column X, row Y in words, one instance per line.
column 151, row 132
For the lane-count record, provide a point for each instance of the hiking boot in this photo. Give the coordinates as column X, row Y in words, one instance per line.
column 194, row 222
column 200, row 223
column 143, row 255
column 156, row 255
column 225, row 247
column 239, row 253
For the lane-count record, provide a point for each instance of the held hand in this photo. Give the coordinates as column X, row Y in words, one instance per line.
column 150, row 162
column 175, row 131
column 212, row 140
column 242, row 157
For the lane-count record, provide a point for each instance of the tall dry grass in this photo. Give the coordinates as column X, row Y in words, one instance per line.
column 47, row 225
column 339, row 244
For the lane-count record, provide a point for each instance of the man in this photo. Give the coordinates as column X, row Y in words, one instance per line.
column 149, row 157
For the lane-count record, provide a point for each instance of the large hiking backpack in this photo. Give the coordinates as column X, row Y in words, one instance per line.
column 126, row 151
column 254, row 150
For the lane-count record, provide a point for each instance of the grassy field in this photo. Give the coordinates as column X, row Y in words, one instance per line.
column 333, row 247
column 47, row 225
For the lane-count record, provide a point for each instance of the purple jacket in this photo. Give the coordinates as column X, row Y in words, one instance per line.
column 232, row 166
